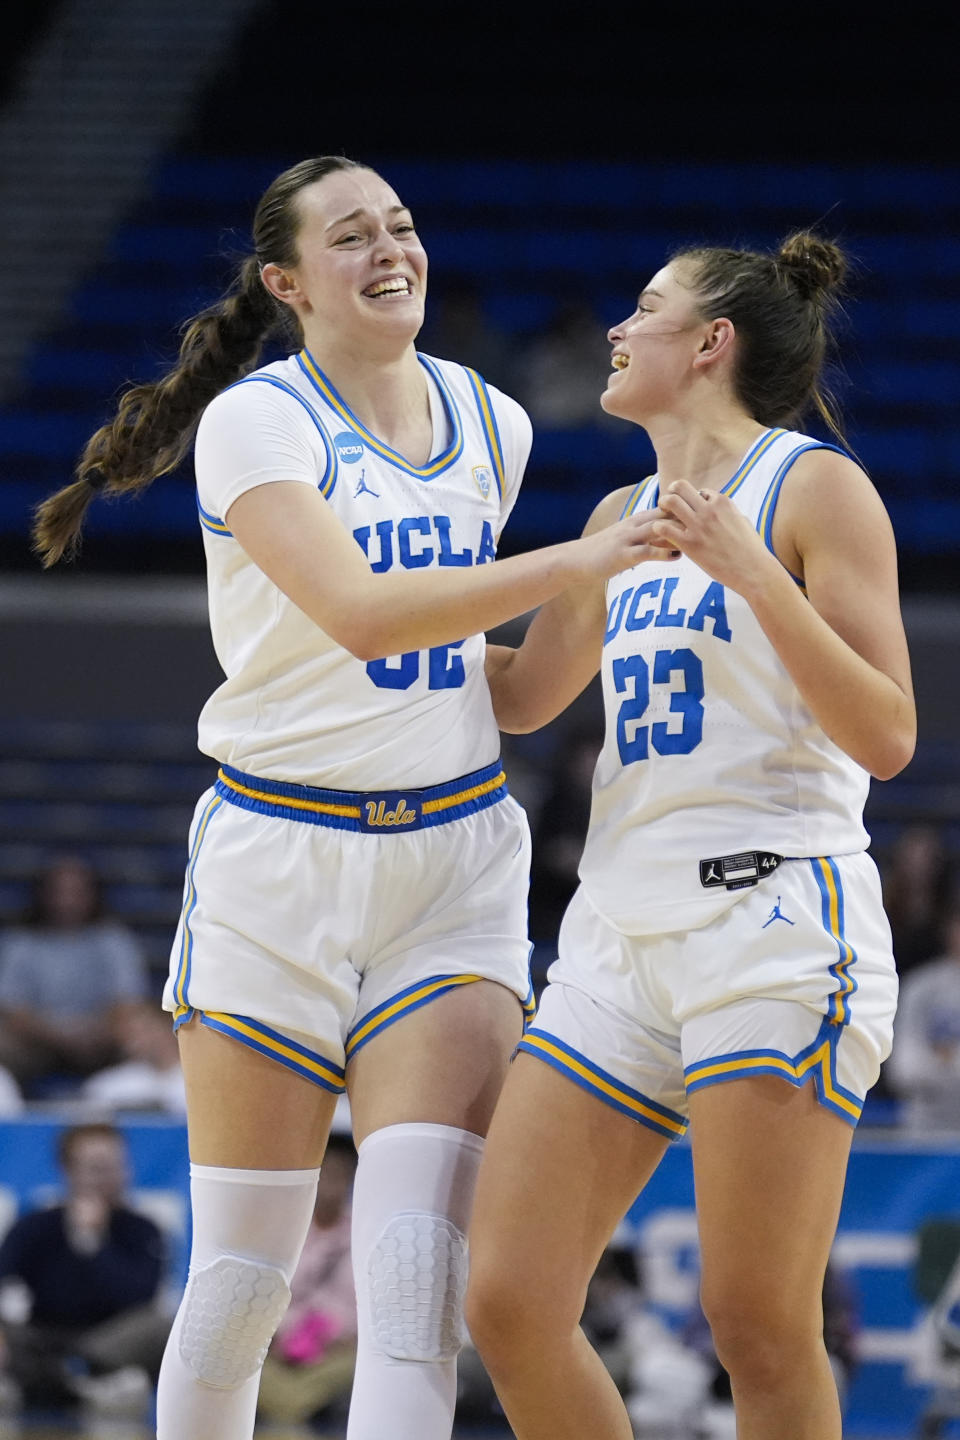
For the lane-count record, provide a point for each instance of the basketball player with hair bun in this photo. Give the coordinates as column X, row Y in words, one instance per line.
column 355, row 901
column 726, row 961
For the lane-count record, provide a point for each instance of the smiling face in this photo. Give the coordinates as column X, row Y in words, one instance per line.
column 360, row 278
column 656, row 350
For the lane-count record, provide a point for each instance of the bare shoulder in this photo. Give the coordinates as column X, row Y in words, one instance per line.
column 609, row 510
column 830, row 502
column 824, row 482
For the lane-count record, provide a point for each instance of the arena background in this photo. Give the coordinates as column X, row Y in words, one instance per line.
column 551, row 158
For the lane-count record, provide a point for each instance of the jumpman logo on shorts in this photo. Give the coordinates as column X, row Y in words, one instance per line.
column 776, row 914
column 363, row 488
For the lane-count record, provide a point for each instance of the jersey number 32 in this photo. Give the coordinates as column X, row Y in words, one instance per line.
column 444, row 669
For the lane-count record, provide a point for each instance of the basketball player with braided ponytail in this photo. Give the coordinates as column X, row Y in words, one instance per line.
column 726, row 962
column 355, row 902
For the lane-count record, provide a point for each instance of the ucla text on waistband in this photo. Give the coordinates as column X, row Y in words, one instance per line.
column 390, row 810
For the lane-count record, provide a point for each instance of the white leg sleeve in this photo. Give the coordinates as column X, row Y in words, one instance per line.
column 248, row 1230
column 412, row 1200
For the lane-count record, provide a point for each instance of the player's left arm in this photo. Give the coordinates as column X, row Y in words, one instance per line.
column 563, row 646
column 843, row 644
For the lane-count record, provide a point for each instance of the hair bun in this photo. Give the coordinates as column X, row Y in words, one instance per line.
column 817, row 267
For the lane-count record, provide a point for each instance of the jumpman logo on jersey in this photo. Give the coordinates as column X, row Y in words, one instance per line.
column 776, row 914
column 363, row 488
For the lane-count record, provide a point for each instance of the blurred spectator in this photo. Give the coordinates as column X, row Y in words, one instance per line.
column 559, row 833
column 150, row 1078
column 562, row 375
column 916, row 886
column 64, row 977
column 458, row 329
column 311, row 1359
column 11, row 1101
column 89, row 1328
column 924, row 1068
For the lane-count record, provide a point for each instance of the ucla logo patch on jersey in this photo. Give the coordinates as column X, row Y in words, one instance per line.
column 348, row 446
column 483, row 476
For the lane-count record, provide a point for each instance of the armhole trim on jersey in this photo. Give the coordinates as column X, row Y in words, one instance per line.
column 327, row 483
column 636, row 495
column 212, row 522
column 769, row 504
column 488, row 420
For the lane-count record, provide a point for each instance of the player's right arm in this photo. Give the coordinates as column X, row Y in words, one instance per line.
column 561, row 651
column 297, row 540
column 259, row 461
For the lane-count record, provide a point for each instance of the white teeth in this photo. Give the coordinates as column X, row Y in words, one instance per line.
column 398, row 286
column 620, row 362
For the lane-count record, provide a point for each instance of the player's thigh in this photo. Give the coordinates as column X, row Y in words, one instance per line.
column 246, row 1111
column 769, row 1164
column 559, row 1172
column 442, row 1064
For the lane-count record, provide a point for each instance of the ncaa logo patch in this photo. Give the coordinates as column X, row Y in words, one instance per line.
column 484, row 478
column 348, row 446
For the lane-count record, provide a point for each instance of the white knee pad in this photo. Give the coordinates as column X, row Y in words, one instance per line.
column 417, row 1276
column 231, row 1309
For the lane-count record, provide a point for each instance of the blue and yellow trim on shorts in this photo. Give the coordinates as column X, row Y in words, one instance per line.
column 310, row 1063
column 386, row 1014
column 272, row 1043
column 436, row 806
column 830, row 886
column 371, row 812
column 325, row 387
column 818, row 1060
column 190, row 900
column 596, row 1081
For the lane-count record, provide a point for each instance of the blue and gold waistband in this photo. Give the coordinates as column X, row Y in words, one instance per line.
column 371, row 812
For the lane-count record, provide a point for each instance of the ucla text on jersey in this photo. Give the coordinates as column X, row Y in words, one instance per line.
column 709, row 748
column 295, row 705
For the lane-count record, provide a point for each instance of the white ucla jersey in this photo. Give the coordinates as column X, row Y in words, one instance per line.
column 710, row 754
column 295, row 705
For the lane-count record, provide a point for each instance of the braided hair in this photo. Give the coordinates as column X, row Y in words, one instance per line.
column 154, row 424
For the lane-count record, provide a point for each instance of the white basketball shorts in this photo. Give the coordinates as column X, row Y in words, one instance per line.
column 313, row 919
column 796, row 979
